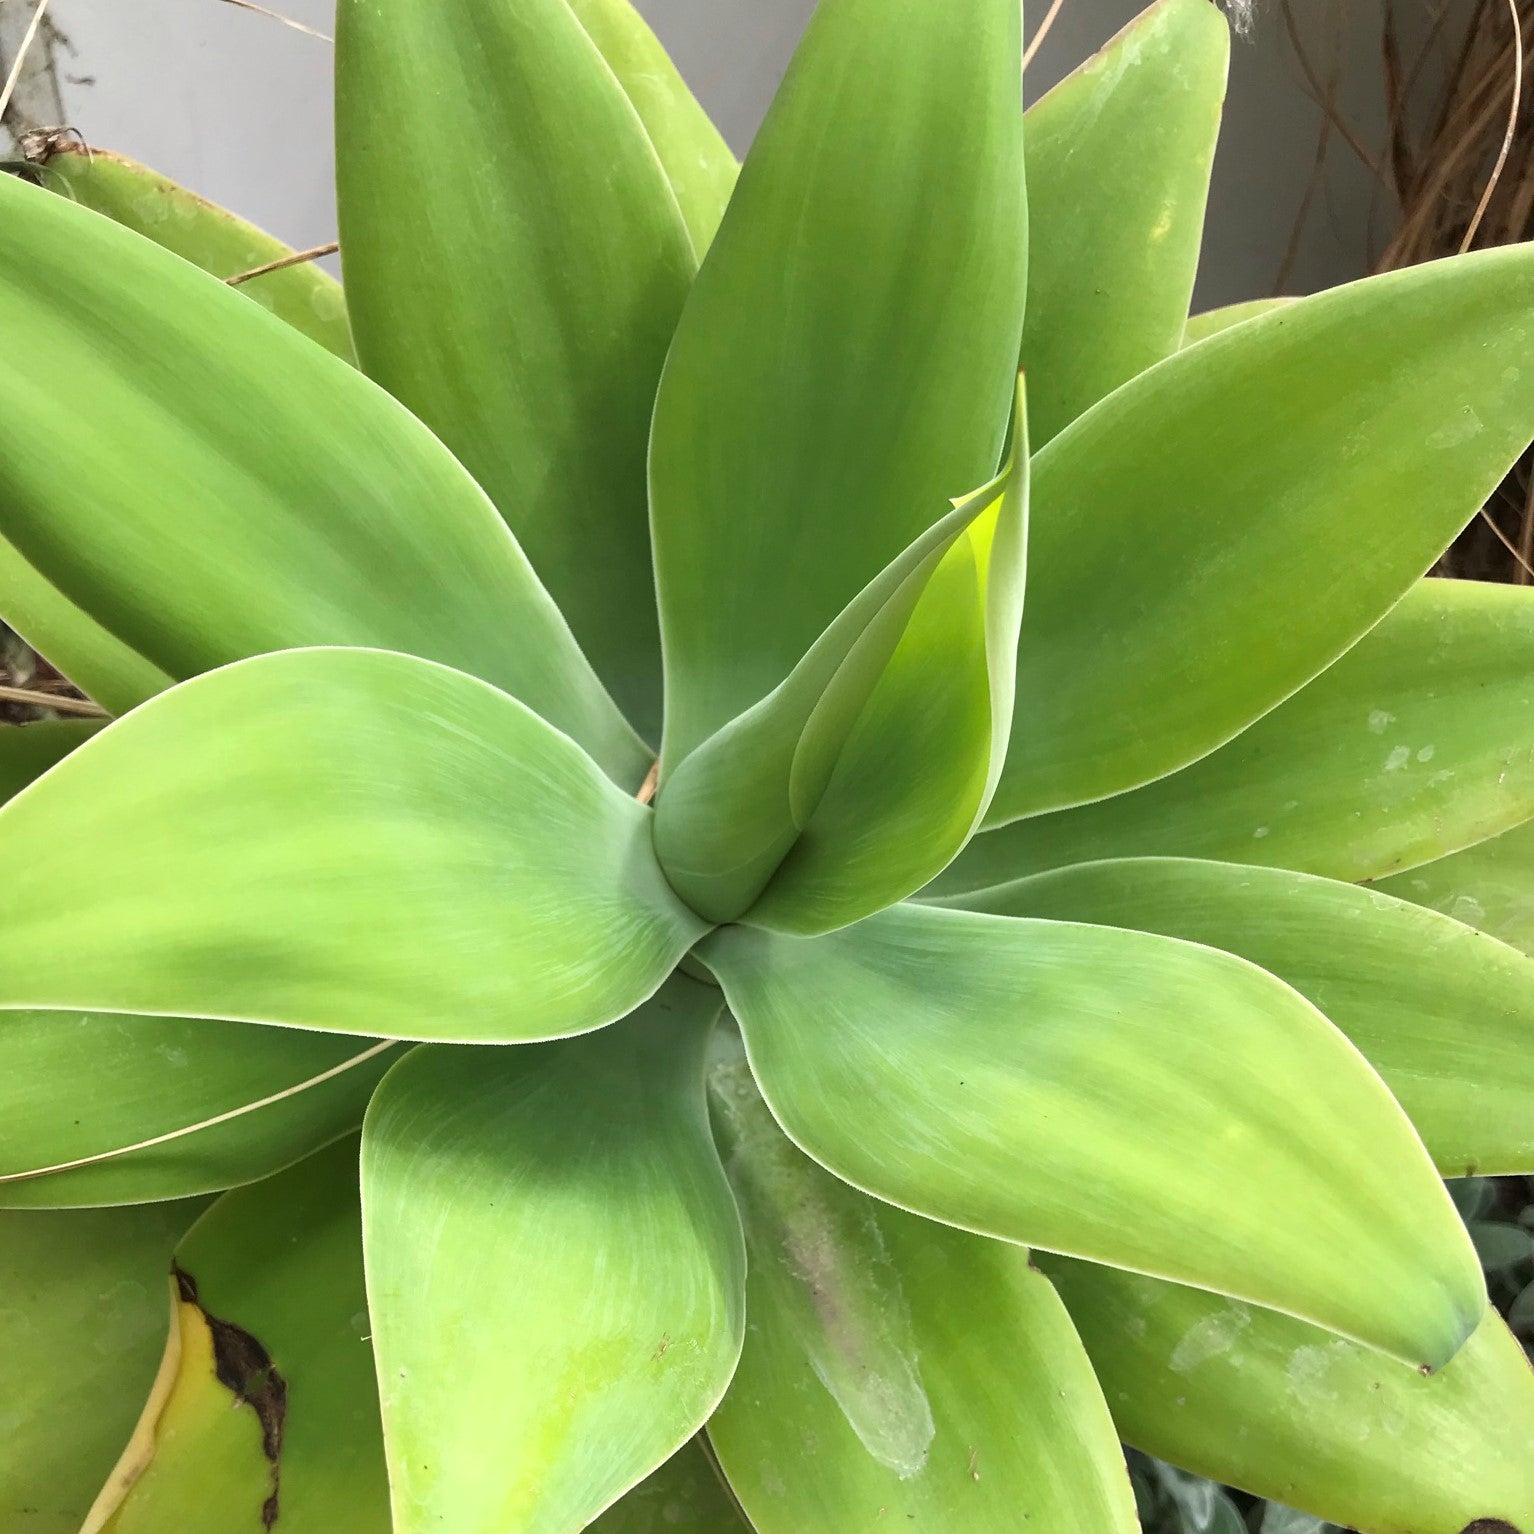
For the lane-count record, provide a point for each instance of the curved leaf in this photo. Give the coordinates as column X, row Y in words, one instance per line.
column 1228, row 1135
column 697, row 161
column 265, row 1414
column 869, row 1391
column 1268, row 1403
column 27, row 751
column 1420, row 740
column 555, row 1269
column 345, row 840
column 93, row 1089
column 1314, row 460
column 802, row 440
column 305, row 295
column 179, row 528
column 1212, row 321
column 1443, row 1013
column 1119, row 155
column 82, row 1311
column 687, row 1495
column 524, row 311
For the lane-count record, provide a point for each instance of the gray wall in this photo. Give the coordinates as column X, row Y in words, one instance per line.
column 237, row 107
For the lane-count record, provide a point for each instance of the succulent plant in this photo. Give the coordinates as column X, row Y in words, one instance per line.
column 830, row 880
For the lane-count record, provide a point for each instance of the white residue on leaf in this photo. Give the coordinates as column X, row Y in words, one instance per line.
column 1208, row 1338
column 1380, row 720
column 1398, row 759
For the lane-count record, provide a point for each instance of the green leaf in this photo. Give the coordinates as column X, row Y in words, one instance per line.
column 345, row 840
column 801, row 438
column 687, row 1495
column 305, row 295
column 897, row 716
column 1420, row 740
column 1489, row 885
column 1108, row 1094
column 523, row 310
column 97, row 662
column 1315, row 461
column 868, row 1390
column 1212, row 321
column 167, row 515
column 27, row 751
column 1443, row 1013
column 1270, row 1404
column 697, row 161
column 82, row 1311
column 1119, row 155
column 265, row 1414
column 555, row 1268
column 116, row 1109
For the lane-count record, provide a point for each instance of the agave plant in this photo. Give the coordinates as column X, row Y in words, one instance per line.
column 639, row 630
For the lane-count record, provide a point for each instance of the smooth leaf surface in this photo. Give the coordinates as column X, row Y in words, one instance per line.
column 27, row 751
column 1419, row 741
column 524, row 311
column 1212, row 321
column 1270, row 1404
column 698, row 163
column 199, row 231
column 82, row 1311
column 345, row 840
column 211, row 513
column 802, row 440
column 1119, row 155
column 555, row 1268
column 91, row 1087
column 1445, row 1014
column 686, row 1495
column 1314, row 460
column 891, row 1364
column 265, row 1414
column 1113, row 1095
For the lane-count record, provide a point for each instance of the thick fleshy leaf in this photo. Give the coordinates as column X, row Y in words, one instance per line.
column 82, row 1312
column 896, row 717
column 687, row 1495
column 698, row 163
column 1419, row 741
column 265, row 1414
column 103, row 1108
column 1444, row 1013
column 1267, row 1403
column 1315, row 460
column 305, row 295
column 346, row 840
column 1119, row 155
column 524, row 310
column 1212, row 321
column 801, row 439
column 1230, row 1136
column 240, row 490
column 867, row 1391
column 97, row 662
column 1489, row 885
column 27, row 751
column 555, row 1268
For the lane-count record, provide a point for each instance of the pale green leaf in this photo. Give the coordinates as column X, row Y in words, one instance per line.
column 82, row 1312
column 1419, row 741
column 29, row 750
column 346, row 840
column 687, row 1495
column 1270, row 1404
column 1212, row 321
column 801, row 438
column 523, row 310
column 1119, row 155
column 230, row 488
column 697, row 161
column 1445, row 1014
column 304, row 294
column 1314, row 461
column 1113, row 1095
column 265, row 1415
column 103, row 1108
column 890, row 1364
column 555, row 1268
